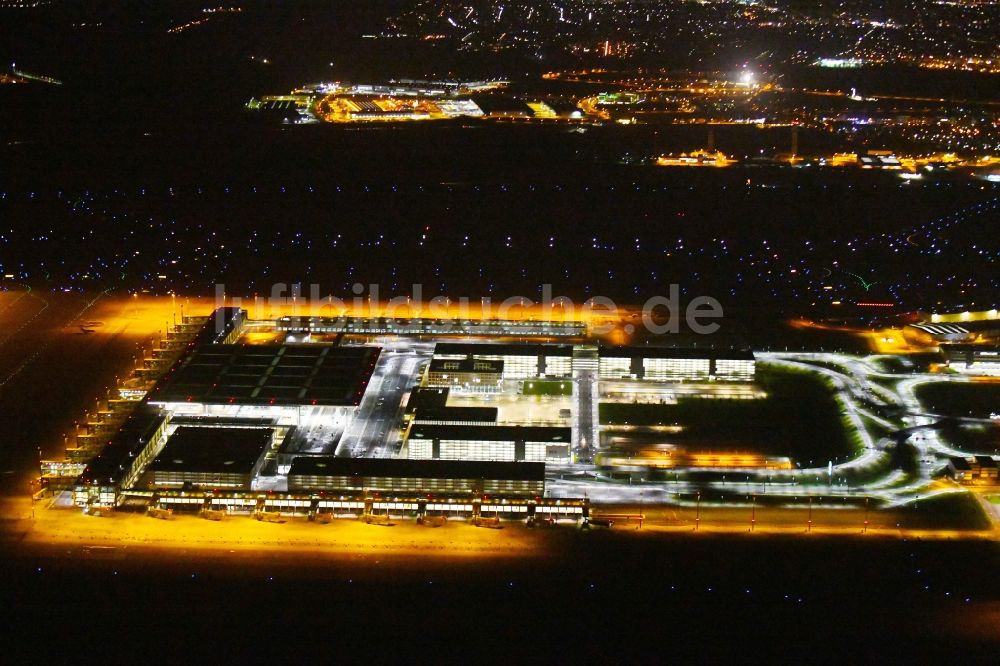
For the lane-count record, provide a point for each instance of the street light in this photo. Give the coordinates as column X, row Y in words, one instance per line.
column 697, row 513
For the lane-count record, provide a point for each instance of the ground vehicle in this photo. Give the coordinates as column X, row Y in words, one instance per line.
column 158, row 512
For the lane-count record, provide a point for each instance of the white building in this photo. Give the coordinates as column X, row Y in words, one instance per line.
column 672, row 364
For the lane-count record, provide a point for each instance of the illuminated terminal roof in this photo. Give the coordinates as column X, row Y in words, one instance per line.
column 284, row 375
column 427, row 397
column 429, row 326
column 417, row 469
column 220, row 326
column 960, row 330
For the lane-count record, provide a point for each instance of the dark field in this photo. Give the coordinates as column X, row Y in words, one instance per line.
column 799, row 419
column 610, row 597
column 975, row 400
column 52, row 373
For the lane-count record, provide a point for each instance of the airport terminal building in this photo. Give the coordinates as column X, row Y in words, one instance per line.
column 225, row 423
column 416, row 476
column 676, row 364
column 267, row 381
column 489, row 442
column 977, row 359
column 519, row 361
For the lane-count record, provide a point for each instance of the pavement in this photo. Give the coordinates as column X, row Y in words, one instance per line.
column 374, row 432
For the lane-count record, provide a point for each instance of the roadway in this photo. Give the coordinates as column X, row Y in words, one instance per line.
column 374, row 431
column 585, row 417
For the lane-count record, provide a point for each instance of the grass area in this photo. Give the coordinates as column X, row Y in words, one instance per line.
column 977, row 438
column 800, row 418
column 888, row 382
column 836, row 367
column 874, row 428
column 959, row 511
column 973, row 399
column 893, row 364
column 547, row 387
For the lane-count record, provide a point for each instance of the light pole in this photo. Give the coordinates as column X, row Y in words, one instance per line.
column 697, row 512
column 864, row 530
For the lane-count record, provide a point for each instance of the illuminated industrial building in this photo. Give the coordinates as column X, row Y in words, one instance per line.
column 271, row 381
column 977, row 359
column 491, row 442
column 520, row 361
column 670, row 364
column 210, row 458
column 975, row 470
column 228, row 417
column 468, row 375
column 430, row 326
column 417, row 476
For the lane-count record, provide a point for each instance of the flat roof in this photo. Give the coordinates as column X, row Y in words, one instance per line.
column 553, row 434
column 229, row 450
column 415, row 322
column 677, row 352
column 427, row 396
column 501, row 349
column 454, row 414
column 960, row 464
column 287, row 374
column 220, row 324
column 417, row 469
column 111, row 464
column 465, row 365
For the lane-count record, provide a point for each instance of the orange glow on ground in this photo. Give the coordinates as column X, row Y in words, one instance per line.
column 879, row 341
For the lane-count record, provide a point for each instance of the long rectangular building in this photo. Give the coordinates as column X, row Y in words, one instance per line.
column 316, row 474
column 430, row 326
column 267, row 381
column 469, row 375
column 124, row 457
column 676, row 364
column 489, row 442
column 978, row 359
column 520, row 361
column 199, row 457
